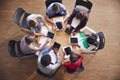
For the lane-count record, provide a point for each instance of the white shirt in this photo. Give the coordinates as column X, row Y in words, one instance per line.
column 51, row 68
column 26, row 49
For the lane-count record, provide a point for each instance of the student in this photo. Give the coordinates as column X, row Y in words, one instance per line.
column 37, row 24
column 56, row 9
column 78, row 19
column 49, row 62
column 74, row 64
column 27, row 47
column 48, row 2
column 93, row 42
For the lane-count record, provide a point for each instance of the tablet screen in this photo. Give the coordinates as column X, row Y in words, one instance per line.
column 74, row 40
column 59, row 25
column 56, row 45
column 67, row 50
column 50, row 35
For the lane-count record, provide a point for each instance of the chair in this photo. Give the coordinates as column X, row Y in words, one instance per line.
column 48, row 2
column 15, row 51
column 102, row 40
column 11, row 48
column 19, row 18
column 85, row 3
column 41, row 73
column 20, row 53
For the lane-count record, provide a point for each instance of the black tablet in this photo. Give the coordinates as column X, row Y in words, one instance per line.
column 69, row 30
column 50, row 35
column 59, row 25
column 67, row 50
column 73, row 40
column 56, row 45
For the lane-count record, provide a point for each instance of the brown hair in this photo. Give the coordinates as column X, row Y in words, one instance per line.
column 55, row 7
column 32, row 23
column 80, row 16
column 28, row 40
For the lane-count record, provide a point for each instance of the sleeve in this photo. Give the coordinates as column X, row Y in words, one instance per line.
column 80, row 59
column 55, row 66
column 31, row 46
column 71, row 17
column 66, row 64
column 82, row 24
column 88, row 29
column 62, row 6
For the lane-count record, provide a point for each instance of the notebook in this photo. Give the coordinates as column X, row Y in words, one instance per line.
column 74, row 40
column 56, row 45
column 50, row 35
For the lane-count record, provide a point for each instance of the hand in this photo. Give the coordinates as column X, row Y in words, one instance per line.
column 55, row 50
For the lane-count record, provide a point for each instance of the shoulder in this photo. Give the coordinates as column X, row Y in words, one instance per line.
column 34, row 16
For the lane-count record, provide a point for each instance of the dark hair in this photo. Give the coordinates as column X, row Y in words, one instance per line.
column 32, row 23
column 73, row 57
column 92, row 39
column 45, row 60
column 79, row 16
column 55, row 7
column 28, row 39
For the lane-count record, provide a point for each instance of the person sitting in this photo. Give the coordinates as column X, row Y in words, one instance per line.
column 74, row 64
column 37, row 25
column 93, row 42
column 54, row 10
column 29, row 44
column 78, row 19
column 49, row 62
column 48, row 2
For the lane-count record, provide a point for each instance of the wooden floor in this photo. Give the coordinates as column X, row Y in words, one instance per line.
column 105, row 65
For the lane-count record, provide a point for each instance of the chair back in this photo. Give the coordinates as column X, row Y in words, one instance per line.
column 102, row 40
column 48, row 2
column 20, row 53
column 19, row 18
column 11, row 48
column 88, row 4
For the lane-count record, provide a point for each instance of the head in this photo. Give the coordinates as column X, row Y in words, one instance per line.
column 39, row 19
column 92, row 39
column 73, row 57
column 80, row 15
column 55, row 8
column 29, row 39
column 45, row 60
column 32, row 23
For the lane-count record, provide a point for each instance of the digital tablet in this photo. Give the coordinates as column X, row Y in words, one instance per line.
column 59, row 25
column 74, row 40
column 56, row 45
column 50, row 35
column 69, row 30
column 67, row 50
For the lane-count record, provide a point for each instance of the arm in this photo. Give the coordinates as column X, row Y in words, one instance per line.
column 38, row 34
column 55, row 66
column 40, row 48
column 88, row 29
column 46, row 25
column 49, row 20
column 66, row 17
